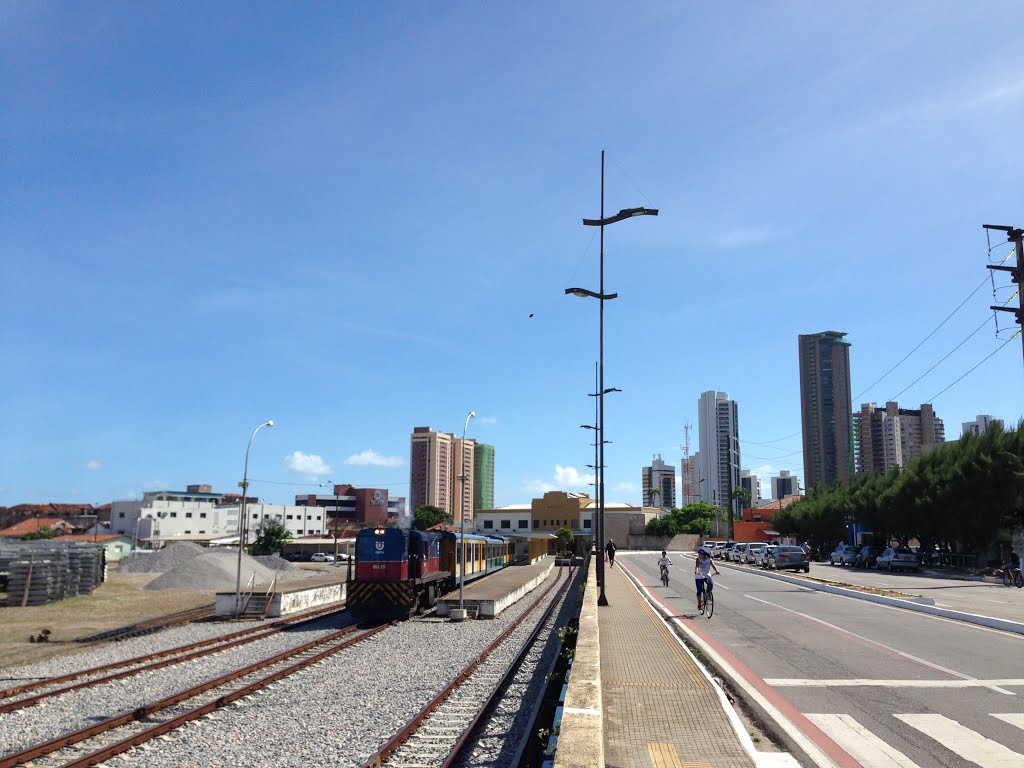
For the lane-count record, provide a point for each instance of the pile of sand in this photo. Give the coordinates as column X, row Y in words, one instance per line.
column 214, row 571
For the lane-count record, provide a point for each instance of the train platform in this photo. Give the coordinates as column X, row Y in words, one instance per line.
column 638, row 697
column 486, row 598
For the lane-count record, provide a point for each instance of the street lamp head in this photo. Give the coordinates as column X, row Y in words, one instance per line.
column 472, row 415
column 268, row 423
column 587, row 426
column 586, row 294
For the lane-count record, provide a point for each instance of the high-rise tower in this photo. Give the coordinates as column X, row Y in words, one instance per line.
column 826, row 411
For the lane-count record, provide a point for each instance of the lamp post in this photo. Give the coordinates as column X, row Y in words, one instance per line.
column 601, row 296
column 460, row 614
column 242, row 521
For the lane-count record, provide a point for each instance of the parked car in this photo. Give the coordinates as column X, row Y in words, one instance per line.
column 738, row 553
column 789, row 558
column 762, row 556
column 725, row 553
column 750, row 557
column 898, row 558
column 844, row 554
column 322, row 557
column 866, row 557
column 342, row 556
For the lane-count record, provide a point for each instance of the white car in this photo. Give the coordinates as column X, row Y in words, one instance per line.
column 739, row 553
column 898, row 559
column 321, row 557
column 753, row 550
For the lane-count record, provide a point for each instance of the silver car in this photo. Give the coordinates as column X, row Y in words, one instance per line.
column 762, row 558
column 753, row 550
column 898, row 558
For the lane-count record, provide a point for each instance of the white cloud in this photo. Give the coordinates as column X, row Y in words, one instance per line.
column 370, row 458
column 156, row 485
column 538, row 486
column 564, row 478
column 570, row 477
column 487, row 420
column 93, row 464
column 308, row 464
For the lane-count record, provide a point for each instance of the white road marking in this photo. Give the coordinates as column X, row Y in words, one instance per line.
column 1013, row 718
column 869, row 641
column 852, row 682
column 869, row 750
column 968, row 744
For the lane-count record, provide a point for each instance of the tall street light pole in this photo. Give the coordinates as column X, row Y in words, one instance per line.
column 242, row 527
column 462, row 521
column 625, row 213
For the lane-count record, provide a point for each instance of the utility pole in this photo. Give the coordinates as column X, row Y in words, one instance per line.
column 1015, row 236
column 732, row 531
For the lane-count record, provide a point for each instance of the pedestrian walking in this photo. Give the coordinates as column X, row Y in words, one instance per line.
column 610, row 549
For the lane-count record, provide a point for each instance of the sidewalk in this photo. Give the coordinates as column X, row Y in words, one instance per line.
column 660, row 710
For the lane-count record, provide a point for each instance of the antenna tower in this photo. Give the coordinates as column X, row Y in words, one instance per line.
column 688, row 490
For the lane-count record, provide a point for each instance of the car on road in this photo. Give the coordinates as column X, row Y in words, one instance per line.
column 321, row 557
column 866, row 557
column 762, row 556
column 844, row 554
column 785, row 558
column 725, row 552
column 898, row 558
column 738, row 553
column 753, row 549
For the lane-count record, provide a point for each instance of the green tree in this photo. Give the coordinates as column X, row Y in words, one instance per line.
column 654, row 492
column 273, row 536
column 42, row 533
column 427, row 517
column 566, row 540
column 693, row 518
column 742, row 494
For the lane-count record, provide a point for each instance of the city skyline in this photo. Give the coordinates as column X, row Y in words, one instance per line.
column 215, row 219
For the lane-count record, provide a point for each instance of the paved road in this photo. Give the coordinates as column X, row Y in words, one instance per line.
column 960, row 595
column 891, row 687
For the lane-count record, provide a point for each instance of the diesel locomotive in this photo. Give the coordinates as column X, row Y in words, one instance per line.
column 398, row 573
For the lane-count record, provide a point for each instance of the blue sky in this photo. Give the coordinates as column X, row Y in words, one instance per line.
column 341, row 216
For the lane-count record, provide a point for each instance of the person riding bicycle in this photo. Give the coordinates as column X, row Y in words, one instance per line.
column 702, row 573
column 1014, row 564
column 663, row 562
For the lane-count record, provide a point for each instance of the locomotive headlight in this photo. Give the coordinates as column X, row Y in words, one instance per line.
column 378, row 531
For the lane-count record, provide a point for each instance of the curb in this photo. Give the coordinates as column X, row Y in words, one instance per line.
column 910, row 604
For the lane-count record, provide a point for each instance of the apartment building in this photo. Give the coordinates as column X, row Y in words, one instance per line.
column 826, row 410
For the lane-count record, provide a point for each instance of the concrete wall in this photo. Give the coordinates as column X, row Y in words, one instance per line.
column 684, row 542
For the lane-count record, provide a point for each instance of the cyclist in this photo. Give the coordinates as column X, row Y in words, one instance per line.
column 702, row 573
column 1014, row 564
column 663, row 563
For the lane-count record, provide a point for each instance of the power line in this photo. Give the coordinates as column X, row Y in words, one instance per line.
column 944, row 357
column 773, row 458
column 959, row 306
column 990, row 354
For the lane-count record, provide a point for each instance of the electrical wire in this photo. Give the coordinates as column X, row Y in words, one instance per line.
column 920, row 343
column 990, row 354
column 944, row 357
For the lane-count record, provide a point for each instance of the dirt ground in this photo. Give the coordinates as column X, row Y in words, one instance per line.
column 119, row 601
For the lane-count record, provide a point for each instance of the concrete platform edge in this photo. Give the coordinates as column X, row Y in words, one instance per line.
column 581, row 736
column 805, row 752
column 972, row 618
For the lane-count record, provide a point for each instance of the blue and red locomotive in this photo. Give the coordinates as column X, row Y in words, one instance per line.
column 399, row 573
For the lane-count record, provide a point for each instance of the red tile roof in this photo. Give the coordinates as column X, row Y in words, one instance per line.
column 91, row 537
column 32, row 525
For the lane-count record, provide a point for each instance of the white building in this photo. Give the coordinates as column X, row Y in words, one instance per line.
column 785, row 484
column 659, row 484
column 752, row 484
column 980, row 425
column 162, row 518
column 719, row 434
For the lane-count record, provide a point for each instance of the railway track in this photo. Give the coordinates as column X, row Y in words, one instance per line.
column 113, row 736
column 149, row 626
column 436, row 735
column 13, row 699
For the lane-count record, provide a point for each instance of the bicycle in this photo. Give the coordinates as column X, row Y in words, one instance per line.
column 707, row 600
column 664, row 575
column 1012, row 576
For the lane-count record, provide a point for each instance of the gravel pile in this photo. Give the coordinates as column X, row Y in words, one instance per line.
column 170, row 557
column 213, row 571
column 336, row 713
column 275, row 563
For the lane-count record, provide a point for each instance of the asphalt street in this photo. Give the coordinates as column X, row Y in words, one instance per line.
column 891, row 687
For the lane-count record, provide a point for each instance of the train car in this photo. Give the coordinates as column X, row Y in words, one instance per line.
column 484, row 554
column 397, row 573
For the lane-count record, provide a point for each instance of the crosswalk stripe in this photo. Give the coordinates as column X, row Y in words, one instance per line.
column 1013, row 718
column 964, row 742
column 869, row 750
